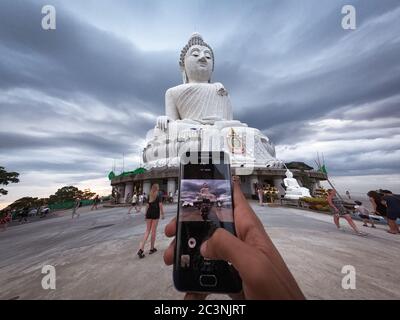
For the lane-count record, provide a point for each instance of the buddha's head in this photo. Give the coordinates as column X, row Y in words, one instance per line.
column 196, row 61
column 289, row 174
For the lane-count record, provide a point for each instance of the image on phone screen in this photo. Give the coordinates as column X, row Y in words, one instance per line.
column 205, row 204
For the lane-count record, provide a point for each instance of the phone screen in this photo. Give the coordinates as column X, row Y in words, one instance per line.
column 205, row 203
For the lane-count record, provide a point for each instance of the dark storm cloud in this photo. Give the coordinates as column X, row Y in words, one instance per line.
column 60, row 167
column 288, row 66
column 83, row 141
column 78, row 58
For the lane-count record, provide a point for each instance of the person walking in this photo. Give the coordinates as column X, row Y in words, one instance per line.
column 133, row 203
column 154, row 210
column 260, row 192
column 392, row 203
column 5, row 220
column 140, row 201
column 364, row 214
column 339, row 211
column 75, row 208
column 96, row 201
column 24, row 214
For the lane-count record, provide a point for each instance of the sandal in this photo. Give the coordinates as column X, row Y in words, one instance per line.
column 152, row 251
column 140, row 254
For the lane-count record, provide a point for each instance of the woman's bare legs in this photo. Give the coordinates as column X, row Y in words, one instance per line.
column 146, row 234
column 351, row 222
column 336, row 220
column 154, row 224
column 393, row 227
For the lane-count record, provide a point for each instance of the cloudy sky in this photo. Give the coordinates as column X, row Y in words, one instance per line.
column 74, row 99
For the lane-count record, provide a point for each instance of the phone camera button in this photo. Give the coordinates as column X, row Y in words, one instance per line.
column 208, row 280
column 192, row 243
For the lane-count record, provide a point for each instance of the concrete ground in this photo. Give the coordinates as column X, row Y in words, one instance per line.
column 95, row 256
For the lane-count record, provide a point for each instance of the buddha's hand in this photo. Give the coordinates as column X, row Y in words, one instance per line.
column 162, row 122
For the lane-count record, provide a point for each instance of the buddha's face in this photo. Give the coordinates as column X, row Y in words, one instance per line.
column 198, row 64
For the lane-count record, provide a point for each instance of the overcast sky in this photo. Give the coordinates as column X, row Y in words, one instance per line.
column 74, row 99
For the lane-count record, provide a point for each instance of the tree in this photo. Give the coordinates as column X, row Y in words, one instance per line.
column 6, row 178
column 87, row 194
column 23, row 202
column 298, row 165
column 70, row 193
column 27, row 202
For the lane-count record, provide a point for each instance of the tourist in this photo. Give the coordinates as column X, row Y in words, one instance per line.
column 376, row 200
column 250, row 251
column 144, row 198
column 392, row 203
column 260, row 192
column 75, row 207
column 348, row 195
column 140, row 202
column 96, row 200
column 24, row 214
column 363, row 214
column 339, row 211
column 153, row 211
column 5, row 220
column 133, row 203
column 170, row 197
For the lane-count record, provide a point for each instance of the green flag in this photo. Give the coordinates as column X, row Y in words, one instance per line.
column 111, row 175
column 323, row 169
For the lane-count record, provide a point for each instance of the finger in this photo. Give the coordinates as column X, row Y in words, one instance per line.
column 237, row 296
column 170, row 228
column 225, row 246
column 245, row 219
column 169, row 254
column 238, row 197
column 195, row 296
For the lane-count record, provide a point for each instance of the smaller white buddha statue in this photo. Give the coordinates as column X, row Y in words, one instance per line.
column 293, row 189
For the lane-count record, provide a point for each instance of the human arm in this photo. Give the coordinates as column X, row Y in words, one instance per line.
column 372, row 200
column 162, row 210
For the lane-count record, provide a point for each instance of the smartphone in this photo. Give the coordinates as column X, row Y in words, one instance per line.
column 205, row 204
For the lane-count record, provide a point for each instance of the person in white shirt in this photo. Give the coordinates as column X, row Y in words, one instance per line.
column 133, row 203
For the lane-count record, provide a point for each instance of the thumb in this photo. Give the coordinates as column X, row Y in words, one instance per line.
column 223, row 245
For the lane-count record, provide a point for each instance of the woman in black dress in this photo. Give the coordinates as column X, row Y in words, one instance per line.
column 392, row 203
column 153, row 212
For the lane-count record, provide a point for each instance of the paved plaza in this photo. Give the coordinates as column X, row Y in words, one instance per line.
column 95, row 256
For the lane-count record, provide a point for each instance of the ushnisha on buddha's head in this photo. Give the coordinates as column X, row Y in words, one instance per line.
column 196, row 61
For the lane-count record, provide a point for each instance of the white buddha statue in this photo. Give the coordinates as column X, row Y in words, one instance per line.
column 199, row 111
column 293, row 189
column 197, row 100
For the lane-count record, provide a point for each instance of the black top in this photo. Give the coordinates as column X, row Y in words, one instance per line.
column 153, row 212
column 393, row 202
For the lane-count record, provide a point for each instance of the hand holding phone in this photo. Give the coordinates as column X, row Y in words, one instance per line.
column 262, row 269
